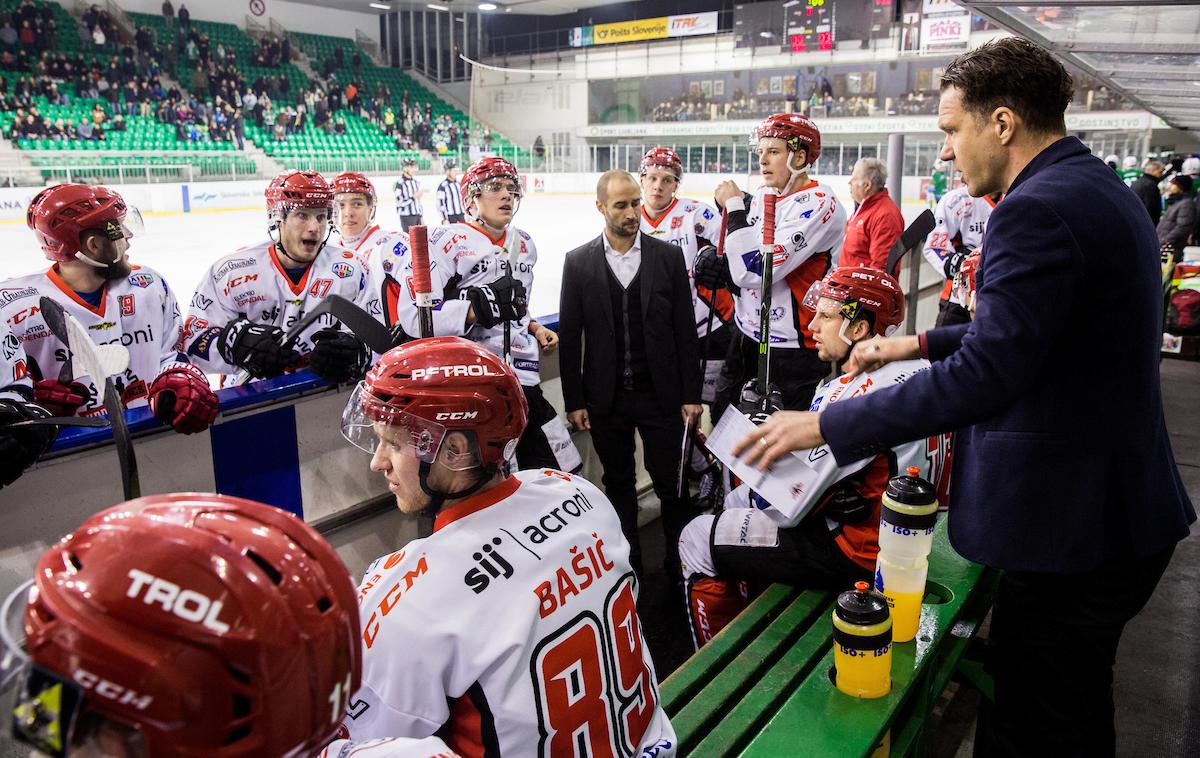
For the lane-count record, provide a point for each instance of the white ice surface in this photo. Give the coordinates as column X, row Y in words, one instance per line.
column 181, row 246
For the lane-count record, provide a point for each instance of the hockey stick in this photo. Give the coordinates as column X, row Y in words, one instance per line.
column 360, row 323
column 917, row 231
column 305, row 321
column 767, row 250
column 85, row 421
column 100, row 362
column 688, row 440
column 418, row 238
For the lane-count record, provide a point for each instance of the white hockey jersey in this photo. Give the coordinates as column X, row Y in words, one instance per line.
column 138, row 312
column 859, row 542
column 467, row 251
column 371, row 240
column 512, row 630
column 394, row 747
column 690, row 225
column 252, row 283
column 809, row 226
column 961, row 221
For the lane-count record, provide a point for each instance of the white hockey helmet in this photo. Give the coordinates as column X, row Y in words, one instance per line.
column 1129, row 162
column 1191, row 166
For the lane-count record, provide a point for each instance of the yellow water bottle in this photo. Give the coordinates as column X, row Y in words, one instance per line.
column 862, row 643
column 907, row 518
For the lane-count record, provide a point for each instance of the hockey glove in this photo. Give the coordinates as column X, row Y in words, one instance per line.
column 60, row 398
column 502, row 300
column 753, row 404
column 953, row 264
column 180, row 396
column 711, row 270
column 257, row 348
column 338, row 356
column 19, row 448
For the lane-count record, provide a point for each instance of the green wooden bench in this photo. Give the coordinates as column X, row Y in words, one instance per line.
column 762, row 687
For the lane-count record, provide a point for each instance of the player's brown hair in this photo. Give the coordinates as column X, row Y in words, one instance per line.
column 1014, row 73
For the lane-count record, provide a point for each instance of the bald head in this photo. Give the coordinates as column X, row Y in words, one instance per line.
column 606, row 183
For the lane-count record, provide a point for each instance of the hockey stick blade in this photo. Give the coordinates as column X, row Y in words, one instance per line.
column 360, row 323
column 916, row 232
column 85, row 421
column 94, row 361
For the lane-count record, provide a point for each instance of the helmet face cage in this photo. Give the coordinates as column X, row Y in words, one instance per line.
column 369, row 422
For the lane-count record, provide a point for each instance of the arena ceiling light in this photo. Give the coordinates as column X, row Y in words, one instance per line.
column 487, row 6
column 381, row 6
column 436, row 7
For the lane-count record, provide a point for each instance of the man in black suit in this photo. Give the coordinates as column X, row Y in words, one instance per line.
column 629, row 357
column 1063, row 475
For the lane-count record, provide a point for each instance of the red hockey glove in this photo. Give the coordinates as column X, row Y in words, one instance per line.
column 181, row 397
column 60, row 398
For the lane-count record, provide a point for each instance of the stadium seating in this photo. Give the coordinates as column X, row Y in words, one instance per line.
column 147, row 142
column 231, row 37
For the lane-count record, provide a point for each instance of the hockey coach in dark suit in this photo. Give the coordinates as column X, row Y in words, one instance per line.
column 629, row 357
column 1063, row 473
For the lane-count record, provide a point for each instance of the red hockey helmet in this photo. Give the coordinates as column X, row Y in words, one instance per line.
column 192, row 625
column 431, row 387
column 60, row 215
column 662, row 157
column 859, row 290
column 795, row 130
column 964, row 280
column 352, row 182
column 298, row 189
column 473, row 179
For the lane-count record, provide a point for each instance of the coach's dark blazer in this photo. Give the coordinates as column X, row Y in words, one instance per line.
column 1061, row 456
column 587, row 351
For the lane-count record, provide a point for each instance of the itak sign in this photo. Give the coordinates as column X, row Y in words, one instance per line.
column 686, row 25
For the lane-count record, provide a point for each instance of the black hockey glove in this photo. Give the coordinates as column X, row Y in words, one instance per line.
column 19, row 448
column 953, row 264
column 711, row 270
column 502, row 300
column 754, row 405
column 338, row 356
column 257, row 348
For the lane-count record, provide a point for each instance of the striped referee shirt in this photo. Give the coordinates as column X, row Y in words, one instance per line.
column 407, row 203
column 449, row 199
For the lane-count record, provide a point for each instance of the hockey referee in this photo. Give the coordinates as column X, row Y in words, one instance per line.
column 449, row 195
column 408, row 196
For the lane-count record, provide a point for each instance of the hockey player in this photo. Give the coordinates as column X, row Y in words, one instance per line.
column 513, row 628
column 484, row 270
column 246, row 300
column 961, row 221
column 85, row 231
column 354, row 204
column 689, row 225
column 831, row 538
column 186, row 625
column 809, row 226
